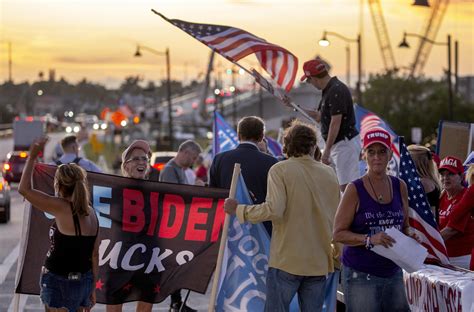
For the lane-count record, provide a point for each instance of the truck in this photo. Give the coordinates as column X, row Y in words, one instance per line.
column 25, row 132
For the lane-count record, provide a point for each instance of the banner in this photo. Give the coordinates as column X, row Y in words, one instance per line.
column 155, row 238
column 439, row 289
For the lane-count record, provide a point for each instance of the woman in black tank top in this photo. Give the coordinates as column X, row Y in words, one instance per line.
column 71, row 265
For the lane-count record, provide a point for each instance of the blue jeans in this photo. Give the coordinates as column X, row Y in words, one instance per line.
column 282, row 287
column 368, row 293
column 60, row 292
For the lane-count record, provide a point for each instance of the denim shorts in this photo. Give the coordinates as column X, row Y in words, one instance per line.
column 369, row 293
column 60, row 292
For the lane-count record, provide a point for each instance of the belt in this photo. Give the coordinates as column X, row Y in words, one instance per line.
column 72, row 276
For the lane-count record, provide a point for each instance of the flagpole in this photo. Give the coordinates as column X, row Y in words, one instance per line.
column 280, row 96
column 223, row 242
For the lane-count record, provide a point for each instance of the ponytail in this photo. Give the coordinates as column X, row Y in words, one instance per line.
column 70, row 181
column 80, row 199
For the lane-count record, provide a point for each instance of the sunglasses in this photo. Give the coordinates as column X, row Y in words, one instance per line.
column 138, row 159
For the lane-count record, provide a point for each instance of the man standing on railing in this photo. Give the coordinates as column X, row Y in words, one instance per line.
column 338, row 123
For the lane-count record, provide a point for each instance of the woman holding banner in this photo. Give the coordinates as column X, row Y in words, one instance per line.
column 370, row 205
column 71, row 264
column 135, row 164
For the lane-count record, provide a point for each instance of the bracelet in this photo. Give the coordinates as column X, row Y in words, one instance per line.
column 368, row 244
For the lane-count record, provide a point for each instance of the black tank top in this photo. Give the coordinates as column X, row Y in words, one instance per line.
column 69, row 253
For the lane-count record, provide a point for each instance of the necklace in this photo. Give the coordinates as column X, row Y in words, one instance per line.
column 380, row 196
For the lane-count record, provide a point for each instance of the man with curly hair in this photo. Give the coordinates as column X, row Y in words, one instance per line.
column 302, row 199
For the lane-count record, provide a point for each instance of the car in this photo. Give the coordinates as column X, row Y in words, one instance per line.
column 13, row 167
column 159, row 159
column 4, row 200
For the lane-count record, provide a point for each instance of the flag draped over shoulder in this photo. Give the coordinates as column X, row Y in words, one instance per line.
column 234, row 44
column 421, row 217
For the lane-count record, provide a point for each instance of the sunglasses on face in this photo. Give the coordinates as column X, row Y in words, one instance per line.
column 138, row 159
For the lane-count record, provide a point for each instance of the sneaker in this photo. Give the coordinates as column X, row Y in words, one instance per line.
column 174, row 307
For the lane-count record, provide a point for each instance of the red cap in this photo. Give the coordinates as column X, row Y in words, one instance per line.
column 377, row 135
column 313, row 68
column 452, row 164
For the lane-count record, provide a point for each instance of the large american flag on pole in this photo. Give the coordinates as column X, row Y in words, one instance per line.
column 234, row 44
column 421, row 217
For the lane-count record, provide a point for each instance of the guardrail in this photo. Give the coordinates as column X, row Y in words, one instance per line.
column 6, row 130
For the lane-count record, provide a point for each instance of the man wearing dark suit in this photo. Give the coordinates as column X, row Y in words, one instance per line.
column 253, row 163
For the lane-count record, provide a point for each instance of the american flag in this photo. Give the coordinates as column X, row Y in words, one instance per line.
column 421, row 217
column 235, row 44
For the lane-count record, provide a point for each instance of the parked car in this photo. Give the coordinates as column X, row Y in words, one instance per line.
column 4, row 200
column 159, row 159
column 13, row 166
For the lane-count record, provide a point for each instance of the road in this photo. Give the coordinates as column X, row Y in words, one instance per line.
column 10, row 237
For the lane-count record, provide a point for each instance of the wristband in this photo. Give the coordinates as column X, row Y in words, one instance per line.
column 368, row 244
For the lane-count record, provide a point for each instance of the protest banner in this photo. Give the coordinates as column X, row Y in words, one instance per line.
column 155, row 238
column 435, row 288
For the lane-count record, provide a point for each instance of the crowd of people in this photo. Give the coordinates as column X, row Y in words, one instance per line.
column 316, row 207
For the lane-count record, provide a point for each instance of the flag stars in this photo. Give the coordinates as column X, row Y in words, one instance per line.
column 99, row 284
column 157, row 289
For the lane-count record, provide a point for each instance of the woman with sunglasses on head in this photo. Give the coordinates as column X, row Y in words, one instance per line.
column 71, row 264
column 458, row 234
column 135, row 164
column 370, row 205
column 428, row 173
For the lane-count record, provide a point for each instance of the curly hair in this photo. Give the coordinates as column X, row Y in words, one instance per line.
column 299, row 139
column 70, row 181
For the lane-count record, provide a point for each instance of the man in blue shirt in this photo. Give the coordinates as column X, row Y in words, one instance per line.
column 70, row 148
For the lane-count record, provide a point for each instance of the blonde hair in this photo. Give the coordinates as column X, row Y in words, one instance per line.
column 470, row 175
column 70, row 181
column 425, row 166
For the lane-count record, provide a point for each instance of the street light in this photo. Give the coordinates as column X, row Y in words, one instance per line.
column 168, row 86
column 404, row 44
column 324, row 42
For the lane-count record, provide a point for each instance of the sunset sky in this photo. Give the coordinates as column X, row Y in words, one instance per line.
column 96, row 39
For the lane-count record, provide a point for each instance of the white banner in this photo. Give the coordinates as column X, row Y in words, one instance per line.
column 435, row 288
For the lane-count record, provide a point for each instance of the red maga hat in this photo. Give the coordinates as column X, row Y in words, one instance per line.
column 313, row 68
column 452, row 164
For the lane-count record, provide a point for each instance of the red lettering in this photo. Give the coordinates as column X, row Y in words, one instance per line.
column 133, row 218
column 196, row 217
column 431, row 301
column 175, row 203
column 154, row 213
column 218, row 221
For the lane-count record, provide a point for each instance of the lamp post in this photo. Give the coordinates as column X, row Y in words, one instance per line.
column 324, row 42
column 404, row 44
column 168, row 86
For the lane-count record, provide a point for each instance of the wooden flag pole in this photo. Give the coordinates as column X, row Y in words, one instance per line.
column 223, row 242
